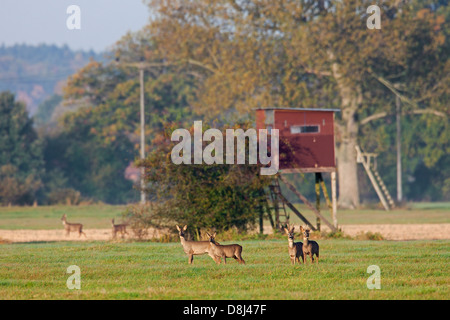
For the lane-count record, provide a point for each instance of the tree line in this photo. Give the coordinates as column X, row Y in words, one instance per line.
column 218, row 60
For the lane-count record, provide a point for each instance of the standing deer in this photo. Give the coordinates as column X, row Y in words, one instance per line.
column 192, row 248
column 310, row 248
column 295, row 248
column 69, row 227
column 119, row 228
column 225, row 251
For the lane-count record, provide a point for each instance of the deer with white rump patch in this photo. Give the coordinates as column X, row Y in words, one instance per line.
column 310, row 247
column 69, row 227
column 295, row 248
column 225, row 251
column 192, row 248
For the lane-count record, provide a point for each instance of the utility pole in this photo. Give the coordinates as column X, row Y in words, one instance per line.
column 141, row 78
column 141, row 66
column 399, row 150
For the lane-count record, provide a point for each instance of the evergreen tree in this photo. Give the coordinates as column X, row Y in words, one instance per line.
column 21, row 161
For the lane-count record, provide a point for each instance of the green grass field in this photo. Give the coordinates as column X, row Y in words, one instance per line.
column 99, row 216
column 409, row 270
column 49, row 217
column 152, row 270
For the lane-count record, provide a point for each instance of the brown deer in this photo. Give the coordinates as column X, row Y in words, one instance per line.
column 225, row 251
column 119, row 228
column 192, row 248
column 69, row 227
column 295, row 248
column 310, row 247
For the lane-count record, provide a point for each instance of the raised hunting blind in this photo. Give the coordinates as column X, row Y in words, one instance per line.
column 306, row 137
column 306, row 145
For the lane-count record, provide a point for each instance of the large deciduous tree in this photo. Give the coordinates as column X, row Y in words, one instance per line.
column 246, row 54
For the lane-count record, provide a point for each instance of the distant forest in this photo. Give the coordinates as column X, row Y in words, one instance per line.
column 35, row 73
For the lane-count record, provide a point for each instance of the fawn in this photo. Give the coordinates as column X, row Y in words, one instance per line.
column 121, row 228
column 225, row 251
column 295, row 248
column 310, row 248
column 72, row 226
column 192, row 248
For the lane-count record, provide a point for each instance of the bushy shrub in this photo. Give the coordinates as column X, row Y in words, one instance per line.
column 369, row 236
column 218, row 196
column 16, row 189
column 66, row 196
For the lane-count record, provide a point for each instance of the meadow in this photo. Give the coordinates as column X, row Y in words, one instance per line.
column 127, row 269
column 150, row 270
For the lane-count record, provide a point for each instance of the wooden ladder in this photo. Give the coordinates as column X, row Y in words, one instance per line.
column 281, row 215
column 383, row 187
column 276, row 197
column 375, row 179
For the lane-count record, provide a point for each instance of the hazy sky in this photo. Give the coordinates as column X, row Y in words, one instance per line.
column 103, row 22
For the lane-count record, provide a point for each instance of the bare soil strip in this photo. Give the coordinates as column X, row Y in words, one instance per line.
column 60, row 235
column 402, row 231
column 388, row 231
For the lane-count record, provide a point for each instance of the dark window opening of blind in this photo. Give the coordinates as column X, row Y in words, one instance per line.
column 304, row 129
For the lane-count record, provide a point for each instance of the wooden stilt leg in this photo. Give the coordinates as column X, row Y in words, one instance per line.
column 318, row 199
column 334, row 199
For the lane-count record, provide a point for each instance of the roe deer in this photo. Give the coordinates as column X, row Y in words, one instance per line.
column 69, row 227
column 310, row 248
column 295, row 248
column 119, row 228
column 225, row 251
column 192, row 248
